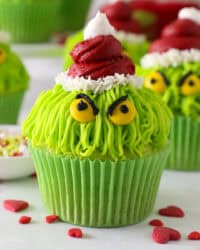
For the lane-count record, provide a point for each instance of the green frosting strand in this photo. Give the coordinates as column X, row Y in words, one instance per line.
column 51, row 126
column 13, row 75
column 135, row 50
column 180, row 105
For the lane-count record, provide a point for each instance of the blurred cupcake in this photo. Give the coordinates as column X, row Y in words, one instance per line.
column 172, row 70
column 127, row 31
column 29, row 21
column 154, row 15
column 72, row 15
column 13, row 82
column 98, row 140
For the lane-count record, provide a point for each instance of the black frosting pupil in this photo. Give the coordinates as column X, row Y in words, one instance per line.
column 82, row 105
column 153, row 81
column 191, row 83
column 124, row 109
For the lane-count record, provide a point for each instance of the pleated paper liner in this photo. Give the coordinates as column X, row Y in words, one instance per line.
column 28, row 22
column 185, row 144
column 10, row 107
column 99, row 193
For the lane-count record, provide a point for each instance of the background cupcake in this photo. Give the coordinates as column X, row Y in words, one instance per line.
column 29, row 21
column 154, row 15
column 97, row 139
column 72, row 15
column 13, row 82
column 172, row 69
column 127, row 31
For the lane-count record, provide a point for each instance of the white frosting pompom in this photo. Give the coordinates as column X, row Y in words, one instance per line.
column 190, row 13
column 98, row 26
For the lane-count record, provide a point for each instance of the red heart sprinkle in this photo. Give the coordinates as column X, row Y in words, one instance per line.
column 15, row 205
column 51, row 218
column 194, row 235
column 75, row 232
column 171, row 211
column 174, row 234
column 156, row 223
column 164, row 234
column 25, row 220
column 160, row 235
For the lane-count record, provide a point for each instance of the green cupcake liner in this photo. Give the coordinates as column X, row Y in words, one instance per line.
column 72, row 15
column 185, row 144
column 98, row 193
column 10, row 107
column 28, row 22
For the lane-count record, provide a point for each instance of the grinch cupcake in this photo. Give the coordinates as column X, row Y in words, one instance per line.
column 172, row 70
column 127, row 31
column 28, row 21
column 13, row 82
column 98, row 140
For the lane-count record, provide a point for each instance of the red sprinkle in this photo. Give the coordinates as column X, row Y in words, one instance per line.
column 15, row 154
column 15, row 205
column 156, row 223
column 25, row 220
column 51, row 218
column 164, row 234
column 34, row 175
column 194, row 235
column 160, row 235
column 171, row 211
column 75, row 232
column 174, row 234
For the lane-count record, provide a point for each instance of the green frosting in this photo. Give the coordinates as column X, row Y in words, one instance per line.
column 13, row 75
column 134, row 50
column 51, row 126
column 179, row 104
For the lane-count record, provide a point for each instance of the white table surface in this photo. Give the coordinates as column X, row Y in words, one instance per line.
column 177, row 188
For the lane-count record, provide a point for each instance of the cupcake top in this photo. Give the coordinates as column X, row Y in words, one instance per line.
column 119, row 14
column 97, row 109
column 172, row 65
column 13, row 75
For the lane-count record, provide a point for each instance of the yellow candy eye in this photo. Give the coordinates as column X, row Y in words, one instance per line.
column 157, row 82
column 189, row 84
column 83, row 109
column 2, row 56
column 122, row 111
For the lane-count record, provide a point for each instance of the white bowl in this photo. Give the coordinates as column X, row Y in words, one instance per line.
column 15, row 167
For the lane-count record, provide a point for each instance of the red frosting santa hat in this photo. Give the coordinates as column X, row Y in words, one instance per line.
column 179, row 42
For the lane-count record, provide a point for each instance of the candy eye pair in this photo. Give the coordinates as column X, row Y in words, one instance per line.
column 189, row 84
column 120, row 112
